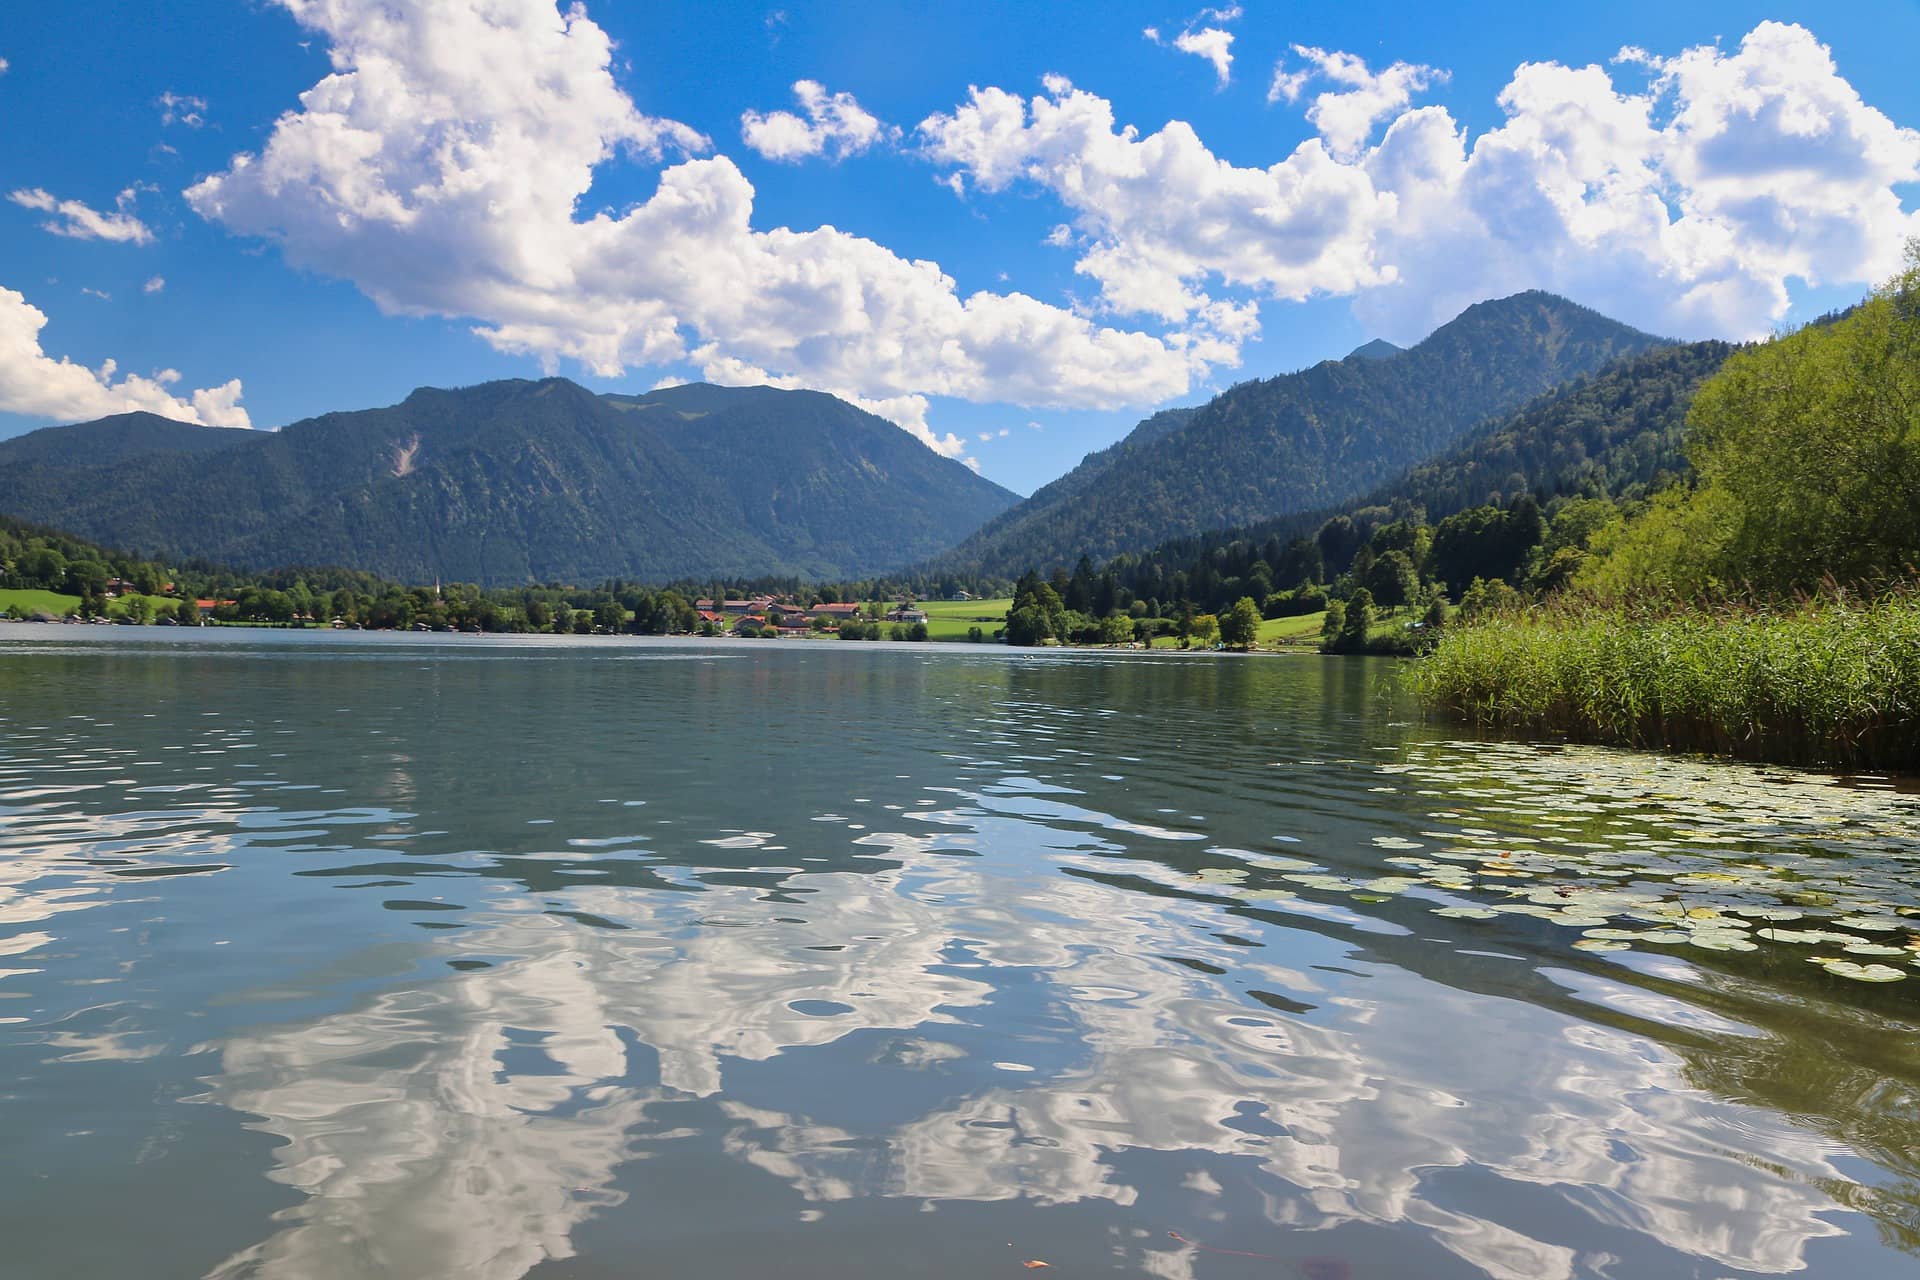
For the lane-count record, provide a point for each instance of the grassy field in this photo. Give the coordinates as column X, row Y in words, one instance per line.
column 159, row 605
column 59, row 604
column 1302, row 631
column 949, row 619
column 1826, row 683
column 35, row 601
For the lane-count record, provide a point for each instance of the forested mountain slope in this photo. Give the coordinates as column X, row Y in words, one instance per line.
column 1305, row 440
column 115, row 439
column 1618, row 434
column 516, row 481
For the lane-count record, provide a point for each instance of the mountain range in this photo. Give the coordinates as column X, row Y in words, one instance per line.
column 516, row 481
column 1301, row 441
column 534, row 481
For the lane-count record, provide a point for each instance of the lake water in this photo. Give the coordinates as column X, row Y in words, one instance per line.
column 346, row 955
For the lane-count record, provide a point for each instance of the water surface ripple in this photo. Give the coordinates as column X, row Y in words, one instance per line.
column 362, row 956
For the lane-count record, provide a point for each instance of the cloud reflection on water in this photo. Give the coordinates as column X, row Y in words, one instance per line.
column 421, row 1151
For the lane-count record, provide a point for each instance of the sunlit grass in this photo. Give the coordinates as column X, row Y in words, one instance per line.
column 32, row 600
column 1826, row 682
column 950, row 619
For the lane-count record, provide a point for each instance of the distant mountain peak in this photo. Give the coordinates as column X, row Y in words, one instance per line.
column 1302, row 441
column 1377, row 349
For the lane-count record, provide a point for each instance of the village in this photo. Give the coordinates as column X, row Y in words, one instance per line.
column 785, row 616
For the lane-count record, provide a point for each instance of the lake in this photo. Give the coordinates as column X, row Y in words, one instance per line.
column 353, row 955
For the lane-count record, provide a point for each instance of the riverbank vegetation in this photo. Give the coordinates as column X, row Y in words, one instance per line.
column 1830, row 681
column 1766, row 606
column 48, row 574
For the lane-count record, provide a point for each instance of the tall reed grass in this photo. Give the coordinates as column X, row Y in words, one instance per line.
column 1822, row 682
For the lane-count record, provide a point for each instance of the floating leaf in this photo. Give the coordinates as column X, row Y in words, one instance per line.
column 1859, row 972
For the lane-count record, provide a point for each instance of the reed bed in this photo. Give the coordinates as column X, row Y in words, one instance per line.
column 1823, row 682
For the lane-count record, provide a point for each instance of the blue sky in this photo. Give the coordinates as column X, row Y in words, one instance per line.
column 493, row 188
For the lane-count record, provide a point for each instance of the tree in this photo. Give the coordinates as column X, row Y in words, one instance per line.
column 188, row 613
column 1206, row 629
column 918, row 631
column 1240, row 628
column 87, row 578
column 1079, row 593
column 139, row 610
column 1037, row 615
column 1814, row 439
column 1337, row 541
column 1116, row 629
column 1483, row 597
column 1485, row 542
column 1300, row 562
column 1331, row 625
column 1358, row 623
column 42, row 567
column 1392, row 580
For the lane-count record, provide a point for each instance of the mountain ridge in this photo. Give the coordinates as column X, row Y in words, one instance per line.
column 1303, row 440
column 517, row 481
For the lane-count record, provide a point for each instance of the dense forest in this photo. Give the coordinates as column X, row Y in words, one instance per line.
column 1514, row 503
column 517, row 482
column 1303, row 441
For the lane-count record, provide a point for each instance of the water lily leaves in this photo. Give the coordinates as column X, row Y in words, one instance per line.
column 1721, row 942
column 1858, row 972
column 1635, row 850
column 1873, row 949
column 1768, row 913
column 1871, row 923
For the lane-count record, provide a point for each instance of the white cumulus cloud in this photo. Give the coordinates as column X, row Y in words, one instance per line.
column 1686, row 204
column 1686, row 207
column 1162, row 213
column 1209, row 42
column 441, row 165
column 1345, row 116
column 835, row 125
column 1213, row 44
column 39, row 386
column 80, row 221
column 154, row 284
